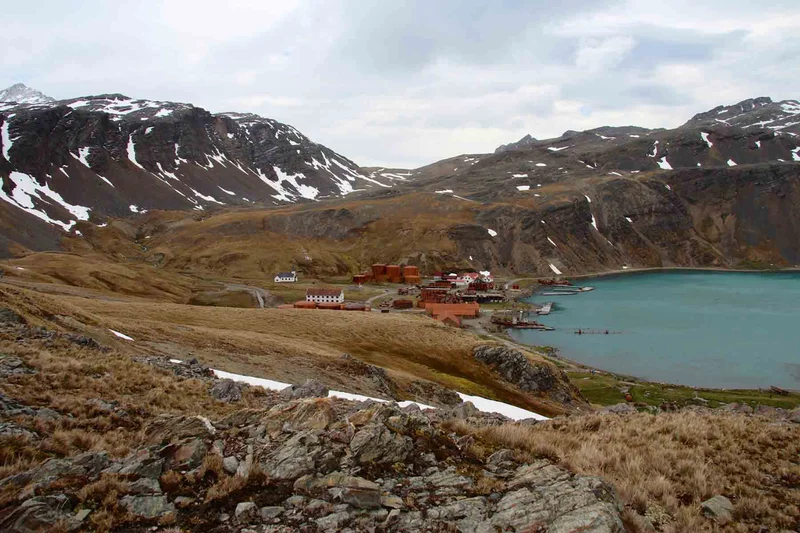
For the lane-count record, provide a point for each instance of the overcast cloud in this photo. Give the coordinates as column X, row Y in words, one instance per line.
column 406, row 83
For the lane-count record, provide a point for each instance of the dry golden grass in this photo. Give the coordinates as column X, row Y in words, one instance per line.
column 663, row 466
column 394, row 229
column 99, row 274
column 287, row 345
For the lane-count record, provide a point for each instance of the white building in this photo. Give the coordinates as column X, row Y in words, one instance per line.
column 321, row 296
column 286, row 277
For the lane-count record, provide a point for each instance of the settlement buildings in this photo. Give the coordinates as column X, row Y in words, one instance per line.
column 286, row 277
column 324, row 296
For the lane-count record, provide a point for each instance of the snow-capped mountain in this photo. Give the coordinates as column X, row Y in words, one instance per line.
column 82, row 158
column 22, row 94
column 754, row 114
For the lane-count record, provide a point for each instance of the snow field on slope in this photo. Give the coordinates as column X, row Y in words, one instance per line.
column 483, row 404
column 26, row 188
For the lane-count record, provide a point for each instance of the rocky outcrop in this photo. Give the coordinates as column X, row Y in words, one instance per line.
column 316, row 464
column 513, row 366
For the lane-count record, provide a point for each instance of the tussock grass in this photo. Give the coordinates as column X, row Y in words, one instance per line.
column 284, row 344
column 664, row 465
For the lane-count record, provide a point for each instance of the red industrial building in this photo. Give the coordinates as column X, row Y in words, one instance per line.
column 470, row 310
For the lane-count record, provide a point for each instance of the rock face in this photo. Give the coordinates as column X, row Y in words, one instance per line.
column 90, row 157
column 514, row 367
column 317, row 464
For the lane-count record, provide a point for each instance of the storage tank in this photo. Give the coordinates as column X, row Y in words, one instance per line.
column 410, row 270
column 378, row 269
column 394, row 271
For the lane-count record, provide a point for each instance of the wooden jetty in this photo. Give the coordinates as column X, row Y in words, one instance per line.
column 560, row 293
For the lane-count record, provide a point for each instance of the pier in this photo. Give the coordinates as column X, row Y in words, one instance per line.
column 545, row 309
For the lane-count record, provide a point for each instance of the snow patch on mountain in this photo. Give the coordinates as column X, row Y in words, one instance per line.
column 663, row 163
column 132, row 152
column 6, row 138
column 27, row 189
column 704, row 136
column 555, row 270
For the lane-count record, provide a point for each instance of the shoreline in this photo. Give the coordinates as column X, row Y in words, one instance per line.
column 679, row 268
column 555, row 356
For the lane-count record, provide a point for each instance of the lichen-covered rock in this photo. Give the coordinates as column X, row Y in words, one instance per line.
column 150, row 506
column 718, row 507
column 375, row 443
column 168, row 427
column 227, row 391
column 310, row 389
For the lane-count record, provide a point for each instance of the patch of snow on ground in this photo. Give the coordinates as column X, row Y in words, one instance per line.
column 204, row 197
column 668, row 187
column 551, row 242
column 587, row 198
column 629, row 219
column 305, row 191
column 796, row 154
column 655, row 150
column 541, row 164
column 633, row 136
column 704, row 136
column 492, row 406
column 120, row 335
column 444, row 191
column 758, row 144
column 523, row 187
column 594, row 222
column 555, row 270
column 148, row 130
column 226, row 191
column 27, row 188
column 132, row 152
column 7, row 142
column 664, row 164
column 519, row 176
column 792, row 107
column 605, row 138
column 133, row 208
column 731, row 163
column 83, row 153
column 615, row 174
column 492, row 232
column 557, row 148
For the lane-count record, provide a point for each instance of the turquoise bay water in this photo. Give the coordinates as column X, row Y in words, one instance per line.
column 705, row 329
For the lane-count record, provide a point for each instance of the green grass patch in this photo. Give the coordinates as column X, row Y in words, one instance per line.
column 605, row 389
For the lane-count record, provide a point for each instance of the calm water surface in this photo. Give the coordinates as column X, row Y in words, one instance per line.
column 706, row 329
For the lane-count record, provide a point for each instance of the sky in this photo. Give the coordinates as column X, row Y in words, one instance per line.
column 406, row 83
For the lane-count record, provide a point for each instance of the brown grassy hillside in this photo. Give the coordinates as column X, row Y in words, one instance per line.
column 665, row 465
column 288, row 345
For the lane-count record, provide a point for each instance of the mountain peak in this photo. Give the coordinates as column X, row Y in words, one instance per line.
column 527, row 140
column 22, row 94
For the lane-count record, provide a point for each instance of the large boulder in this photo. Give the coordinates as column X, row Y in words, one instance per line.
column 166, row 428
column 718, row 508
column 227, row 391
column 150, row 506
column 356, row 491
column 375, row 443
column 37, row 514
column 310, row 389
